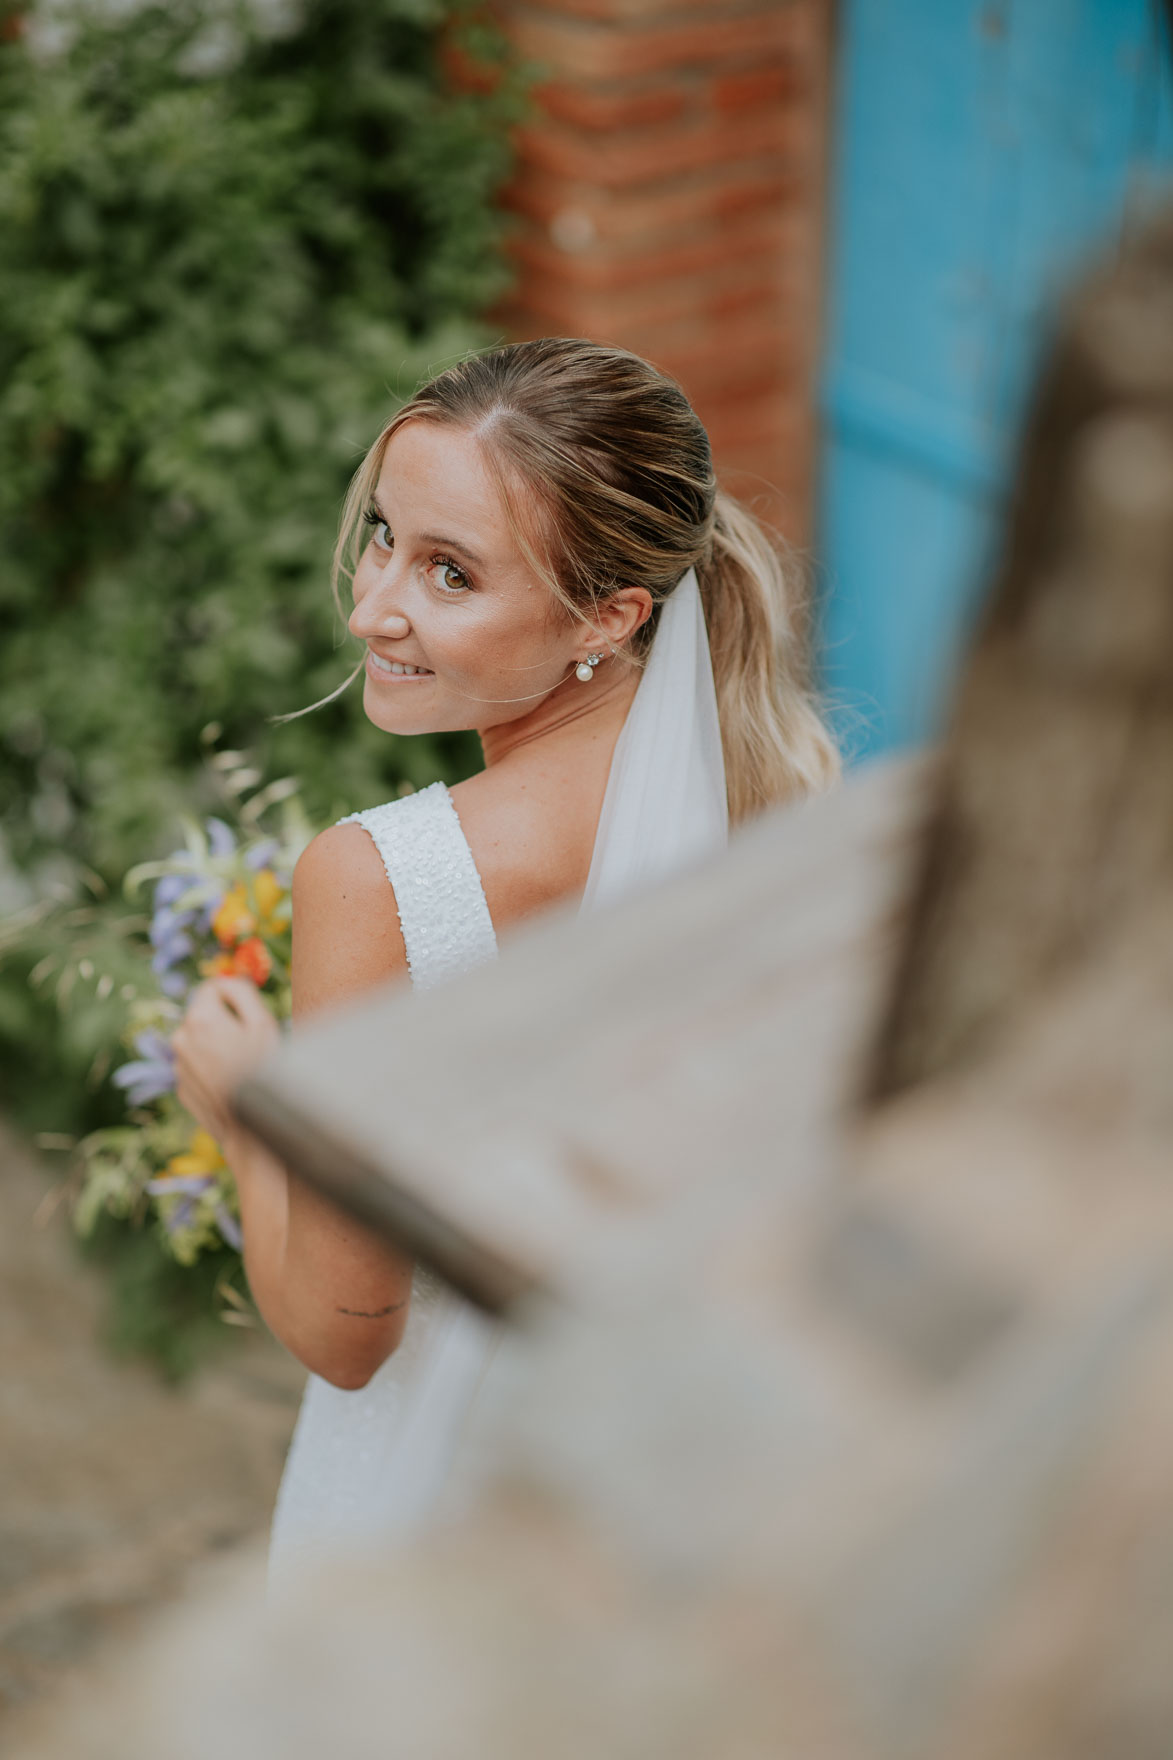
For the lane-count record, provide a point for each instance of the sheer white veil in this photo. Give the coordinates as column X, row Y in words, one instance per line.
column 665, row 805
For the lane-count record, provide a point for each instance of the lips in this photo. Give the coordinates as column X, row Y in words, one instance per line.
column 395, row 668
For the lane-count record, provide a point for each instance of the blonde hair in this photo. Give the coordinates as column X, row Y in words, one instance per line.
column 618, row 465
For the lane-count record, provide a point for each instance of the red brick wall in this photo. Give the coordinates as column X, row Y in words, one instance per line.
column 670, row 199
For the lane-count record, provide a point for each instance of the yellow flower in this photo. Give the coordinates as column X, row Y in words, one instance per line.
column 201, row 1156
column 233, row 921
column 268, row 892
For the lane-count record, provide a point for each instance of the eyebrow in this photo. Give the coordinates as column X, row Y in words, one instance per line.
column 453, row 544
column 438, row 539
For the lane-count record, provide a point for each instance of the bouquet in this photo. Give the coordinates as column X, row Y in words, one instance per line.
column 219, row 904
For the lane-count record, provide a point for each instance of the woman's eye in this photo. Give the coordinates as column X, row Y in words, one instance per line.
column 383, row 537
column 450, row 576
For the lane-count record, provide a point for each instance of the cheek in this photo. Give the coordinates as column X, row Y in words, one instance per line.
column 506, row 639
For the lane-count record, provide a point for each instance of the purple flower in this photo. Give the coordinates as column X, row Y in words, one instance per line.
column 203, row 922
column 229, row 1227
column 172, row 946
column 144, row 1080
column 261, row 854
column 148, row 1043
column 181, row 1215
column 169, row 888
column 220, row 839
column 151, row 1074
column 178, row 948
column 166, row 924
column 189, row 1185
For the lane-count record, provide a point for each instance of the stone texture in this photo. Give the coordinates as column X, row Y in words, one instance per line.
column 111, row 1483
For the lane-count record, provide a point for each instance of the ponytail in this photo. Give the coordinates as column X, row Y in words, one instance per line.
column 776, row 746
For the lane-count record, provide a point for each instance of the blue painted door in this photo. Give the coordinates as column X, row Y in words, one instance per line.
column 983, row 150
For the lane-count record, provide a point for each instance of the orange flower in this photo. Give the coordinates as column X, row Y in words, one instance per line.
column 233, row 921
column 251, row 960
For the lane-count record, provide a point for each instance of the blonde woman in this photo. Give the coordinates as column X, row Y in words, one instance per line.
column 537, row 549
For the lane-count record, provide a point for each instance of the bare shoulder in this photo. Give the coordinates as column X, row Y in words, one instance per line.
column 346, row 934
column 530, row 839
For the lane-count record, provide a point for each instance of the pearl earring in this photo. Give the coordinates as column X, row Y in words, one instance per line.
column 586, row 668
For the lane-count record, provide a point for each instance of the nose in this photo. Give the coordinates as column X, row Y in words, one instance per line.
column 376, row 613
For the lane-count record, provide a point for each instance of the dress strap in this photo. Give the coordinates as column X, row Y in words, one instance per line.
column 442, row 908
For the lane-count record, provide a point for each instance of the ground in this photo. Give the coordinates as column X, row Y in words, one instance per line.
column 112, row 1485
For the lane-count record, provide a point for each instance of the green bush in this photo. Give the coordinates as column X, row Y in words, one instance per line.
column 226, row 250
column 232, row 237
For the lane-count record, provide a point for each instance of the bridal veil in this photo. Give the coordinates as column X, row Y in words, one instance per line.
column 665, row 805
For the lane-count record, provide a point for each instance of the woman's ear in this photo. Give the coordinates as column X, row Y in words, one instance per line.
column 618, row 617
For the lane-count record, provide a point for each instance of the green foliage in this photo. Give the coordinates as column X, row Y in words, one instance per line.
column 230, row 243
column 224, row 255
column 172, row 1313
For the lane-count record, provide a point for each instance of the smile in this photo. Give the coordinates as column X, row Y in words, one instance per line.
column 381, row 669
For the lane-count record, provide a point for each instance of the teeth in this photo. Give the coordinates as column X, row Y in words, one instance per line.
column 397, row 666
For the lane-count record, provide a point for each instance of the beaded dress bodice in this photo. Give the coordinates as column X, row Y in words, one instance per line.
column 370, row 1464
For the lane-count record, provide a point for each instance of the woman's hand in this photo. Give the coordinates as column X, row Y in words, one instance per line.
column 225, row 1033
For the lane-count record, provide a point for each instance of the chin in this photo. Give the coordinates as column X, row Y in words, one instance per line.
column 390, row 717
column 406, row 718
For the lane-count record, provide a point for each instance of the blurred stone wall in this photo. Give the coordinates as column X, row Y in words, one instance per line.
column 112, row 1484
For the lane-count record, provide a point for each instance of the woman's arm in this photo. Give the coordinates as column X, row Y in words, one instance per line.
column 334, row 1294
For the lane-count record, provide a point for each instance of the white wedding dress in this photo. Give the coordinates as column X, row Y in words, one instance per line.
column 368, row 1466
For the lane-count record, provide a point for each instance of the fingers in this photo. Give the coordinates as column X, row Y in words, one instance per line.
column 241, row 994
column 204, row 999
column 205, row 1107
column 220, row 995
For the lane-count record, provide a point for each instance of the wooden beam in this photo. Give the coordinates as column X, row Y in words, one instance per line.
column 526, row 1126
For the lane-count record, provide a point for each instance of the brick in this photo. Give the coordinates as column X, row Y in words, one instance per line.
column 754, row 420
column 788, row 445
column 741, row 247
column 463, row 72
column 669, row 199
column 773, row 482
column 643, row 103
column 691, row 336
column 632, row 11
column 655, row 311
column 680, row 335
column 590, row 50
column 651, row 217
column 776, row 466
column 737, row 357
column 652, row 317
column 664, row 153
column 729, row 247
column 587, row 108
column 748, row 293
column 778, row 84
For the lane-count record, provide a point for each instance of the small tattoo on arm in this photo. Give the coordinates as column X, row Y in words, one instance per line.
column 374, row 1313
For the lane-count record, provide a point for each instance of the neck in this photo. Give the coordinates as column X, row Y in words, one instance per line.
column 572, row 710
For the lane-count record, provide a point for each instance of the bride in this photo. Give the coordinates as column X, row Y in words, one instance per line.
column 538, row 550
